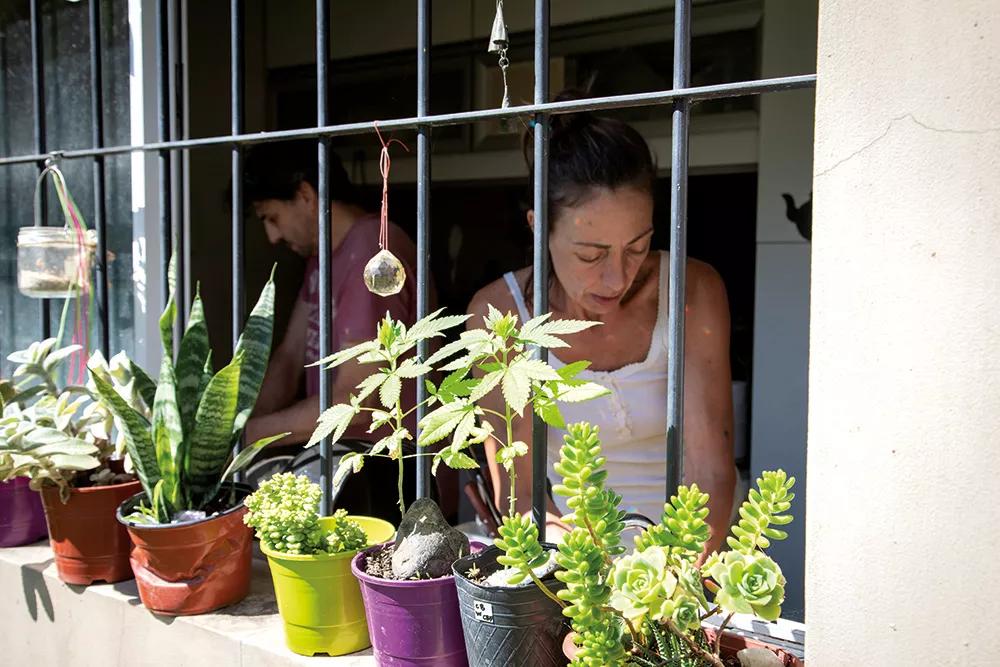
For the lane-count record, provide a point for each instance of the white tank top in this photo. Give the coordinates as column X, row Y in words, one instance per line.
column 632, row 419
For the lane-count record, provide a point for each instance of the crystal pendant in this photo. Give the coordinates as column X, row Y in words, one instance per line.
column 384, row 274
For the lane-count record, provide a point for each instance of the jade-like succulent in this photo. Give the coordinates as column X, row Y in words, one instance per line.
column 285, row 513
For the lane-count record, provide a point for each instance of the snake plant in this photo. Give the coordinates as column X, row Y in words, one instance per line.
column 182, row 454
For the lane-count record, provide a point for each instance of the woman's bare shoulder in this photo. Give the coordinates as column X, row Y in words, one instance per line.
column 706, row 291
column 495, row 294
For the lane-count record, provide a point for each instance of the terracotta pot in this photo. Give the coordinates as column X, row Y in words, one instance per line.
column 87, row 543
column 191, row 568
column 730, row 645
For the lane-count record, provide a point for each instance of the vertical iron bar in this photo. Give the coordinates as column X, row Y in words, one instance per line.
column 176, row 167
column 236, row 83
column 678, row 249
column 325, row 247
column 163, row 121
column 423, row 210
column 539, row 436
column 97, row 138
column 38, row 88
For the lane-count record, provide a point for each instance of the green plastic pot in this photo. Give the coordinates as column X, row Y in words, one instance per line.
column 320, row 600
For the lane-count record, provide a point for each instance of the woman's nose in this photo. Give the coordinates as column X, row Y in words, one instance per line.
column 614, row 275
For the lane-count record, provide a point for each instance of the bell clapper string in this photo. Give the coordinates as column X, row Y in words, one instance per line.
column 499, row 41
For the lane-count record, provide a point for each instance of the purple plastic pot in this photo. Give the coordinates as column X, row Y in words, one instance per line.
column 22, row 519
column 411, row 623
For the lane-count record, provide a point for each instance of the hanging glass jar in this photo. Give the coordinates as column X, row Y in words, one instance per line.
column 52, row 261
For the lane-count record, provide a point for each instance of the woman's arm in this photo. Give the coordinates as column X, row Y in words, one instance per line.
column 708, row 400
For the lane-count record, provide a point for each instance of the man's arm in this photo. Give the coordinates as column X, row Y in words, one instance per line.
column 300, row 417
column 287, row 364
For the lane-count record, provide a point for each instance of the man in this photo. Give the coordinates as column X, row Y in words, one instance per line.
column 281, row 183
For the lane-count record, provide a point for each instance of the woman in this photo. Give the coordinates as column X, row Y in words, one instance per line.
column 601, row 178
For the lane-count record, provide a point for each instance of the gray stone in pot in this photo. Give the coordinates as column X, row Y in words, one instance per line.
column 759, row 657
column 426, row 545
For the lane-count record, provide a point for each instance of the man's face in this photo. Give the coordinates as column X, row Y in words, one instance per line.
column 292, row 221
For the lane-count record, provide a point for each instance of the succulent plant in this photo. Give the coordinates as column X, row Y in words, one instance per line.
column 285, row 513
column 51, row 432
column 646, row 608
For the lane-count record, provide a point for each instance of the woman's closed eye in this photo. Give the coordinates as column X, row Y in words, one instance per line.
column 589, row 259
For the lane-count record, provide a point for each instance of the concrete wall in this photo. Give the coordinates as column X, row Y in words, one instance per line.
column 781, row 304
column 904, row 383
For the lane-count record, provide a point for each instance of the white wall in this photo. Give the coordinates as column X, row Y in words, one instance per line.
column 904, row 414
column 781, row 303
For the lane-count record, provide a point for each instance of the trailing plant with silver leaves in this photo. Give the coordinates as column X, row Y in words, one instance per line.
column 285, row 513
column 50, row 432
column 182, row 453
column 646, row 608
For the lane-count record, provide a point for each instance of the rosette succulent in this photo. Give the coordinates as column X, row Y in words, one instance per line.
column 642, row 586
column 646, row 608
column 285, row 513
column 748, row 584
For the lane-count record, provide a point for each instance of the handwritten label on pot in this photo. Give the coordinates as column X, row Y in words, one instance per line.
column 484, row 611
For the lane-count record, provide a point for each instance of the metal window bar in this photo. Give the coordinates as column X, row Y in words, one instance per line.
column 540, row 296
column 97, row 137
column 681, row 96
column 236, row 81
column 678, row 248
column 325, row 246
column 38, row 89
column 423, row 211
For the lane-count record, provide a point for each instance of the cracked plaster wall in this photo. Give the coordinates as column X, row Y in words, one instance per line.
column 904, row 416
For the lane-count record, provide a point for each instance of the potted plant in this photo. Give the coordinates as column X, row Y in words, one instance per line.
column 22, row 519
column 191, row 550
column 505, row 619
column 310, row 562
column 412, row 578
column 56, row 439
column 407, row 587
column 648, row 607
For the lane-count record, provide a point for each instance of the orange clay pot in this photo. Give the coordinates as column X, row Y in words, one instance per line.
column 191, row 568
column 87, row 542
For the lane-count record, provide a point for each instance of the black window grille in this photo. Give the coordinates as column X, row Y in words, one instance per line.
column 680, row 98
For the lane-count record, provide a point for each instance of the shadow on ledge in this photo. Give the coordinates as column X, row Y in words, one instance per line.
column 36, row 590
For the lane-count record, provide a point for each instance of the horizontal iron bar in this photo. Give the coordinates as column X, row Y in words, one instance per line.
column 693, row 94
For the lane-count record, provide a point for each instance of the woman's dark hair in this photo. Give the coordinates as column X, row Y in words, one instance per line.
column 587, row 152
column 276, row 170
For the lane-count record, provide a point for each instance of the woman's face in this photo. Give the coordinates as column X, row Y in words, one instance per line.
column 598, row 246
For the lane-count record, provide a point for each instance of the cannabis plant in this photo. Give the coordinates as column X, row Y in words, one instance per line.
column 51, row 432
column 646, row 608
column 501, row 352
column 181, row 453
column 285, row 513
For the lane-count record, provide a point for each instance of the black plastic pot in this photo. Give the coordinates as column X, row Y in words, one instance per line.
column 508, row 626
